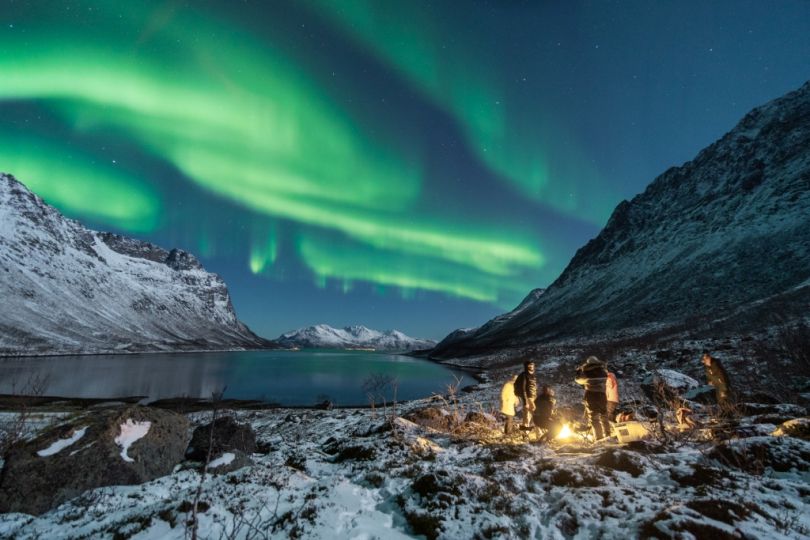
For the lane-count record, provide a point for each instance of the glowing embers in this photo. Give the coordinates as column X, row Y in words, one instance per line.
column 565, row 433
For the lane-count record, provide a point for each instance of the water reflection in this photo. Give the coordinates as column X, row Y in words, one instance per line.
column 290, row 378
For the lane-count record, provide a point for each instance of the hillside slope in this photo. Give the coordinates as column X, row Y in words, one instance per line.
column 723, row 240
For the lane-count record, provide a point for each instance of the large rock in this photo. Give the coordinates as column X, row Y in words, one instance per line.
column 229, row 436
column 121, row 446
column 667, row 385
column 798, row 427
column 705, row 394
column 432, row 417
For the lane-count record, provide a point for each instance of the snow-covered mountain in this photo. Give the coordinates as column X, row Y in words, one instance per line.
column 323, row 336
column 69, row 290
column 719, row 244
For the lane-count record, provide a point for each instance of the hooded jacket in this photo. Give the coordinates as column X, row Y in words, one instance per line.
column 592, row 375
column 508, row 398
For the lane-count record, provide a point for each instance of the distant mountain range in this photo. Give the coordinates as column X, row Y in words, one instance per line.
column 718, row 245
column 66, row 289
column 323, row 336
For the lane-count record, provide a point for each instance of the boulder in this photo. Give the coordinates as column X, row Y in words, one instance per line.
column 667, row 385
column 120, row 446
column 229, row 435
column 705, row 394
column 798, row 427
column 431, row 417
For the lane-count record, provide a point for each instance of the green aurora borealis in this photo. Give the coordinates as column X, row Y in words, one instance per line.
column 361, row 147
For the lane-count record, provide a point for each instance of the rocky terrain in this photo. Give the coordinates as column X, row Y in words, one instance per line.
column 717, row 246
column 438, row 468
column 323, row 336
column 70, row 290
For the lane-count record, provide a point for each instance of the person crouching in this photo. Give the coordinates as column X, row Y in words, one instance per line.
column 509, row 402
column 544, row 415
column 593, row 375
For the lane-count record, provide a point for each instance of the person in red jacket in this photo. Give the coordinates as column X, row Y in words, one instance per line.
column 612, row 394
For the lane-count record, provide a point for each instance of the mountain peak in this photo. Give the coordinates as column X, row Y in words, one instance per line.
column 323, row 336
column 71, row 290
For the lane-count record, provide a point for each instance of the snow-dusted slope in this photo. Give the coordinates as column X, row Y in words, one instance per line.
column 725, row 237
column 68, row 290
column 322, row 336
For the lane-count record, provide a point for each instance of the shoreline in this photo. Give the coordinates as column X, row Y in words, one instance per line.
column 10, row 403
column 131, row 353
column 205, row 351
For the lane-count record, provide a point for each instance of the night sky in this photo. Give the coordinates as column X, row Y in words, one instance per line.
column 412, row 165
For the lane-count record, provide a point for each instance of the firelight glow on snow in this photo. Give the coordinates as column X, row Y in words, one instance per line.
column 396, row 164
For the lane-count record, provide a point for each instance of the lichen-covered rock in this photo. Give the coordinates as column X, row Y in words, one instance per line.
column 120, row 446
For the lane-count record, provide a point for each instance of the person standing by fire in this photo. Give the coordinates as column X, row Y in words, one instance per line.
column 716, row 376
column 526, row 390
column 509, row 402
column 593, row 376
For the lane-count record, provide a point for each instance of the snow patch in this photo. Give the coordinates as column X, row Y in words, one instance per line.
column 224, row 459
column 61, row 444
column 130, row 432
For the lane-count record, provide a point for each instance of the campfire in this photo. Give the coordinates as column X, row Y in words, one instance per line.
column 565, row 432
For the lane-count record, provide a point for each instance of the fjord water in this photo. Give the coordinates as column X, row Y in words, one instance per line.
column 286, row 377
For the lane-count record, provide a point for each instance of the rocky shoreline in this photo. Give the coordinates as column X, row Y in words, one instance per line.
column 441, row 468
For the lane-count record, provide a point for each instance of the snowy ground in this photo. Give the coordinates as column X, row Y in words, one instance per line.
column 361, row 474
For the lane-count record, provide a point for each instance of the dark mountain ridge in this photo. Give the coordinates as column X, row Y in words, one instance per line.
column 722, row 241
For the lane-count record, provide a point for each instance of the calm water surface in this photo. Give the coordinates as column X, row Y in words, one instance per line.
column 286, row 377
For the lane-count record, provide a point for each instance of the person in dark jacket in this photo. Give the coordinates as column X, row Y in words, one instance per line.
column 544, row 415
column 526, row 390
column 593, row 376
column 717, row 377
